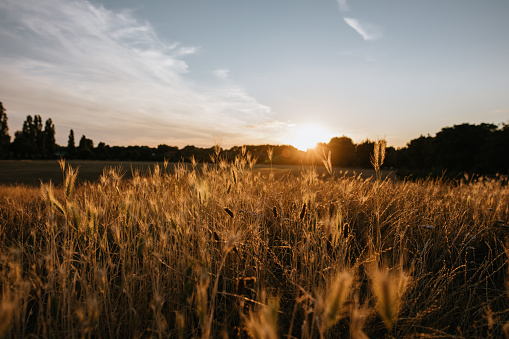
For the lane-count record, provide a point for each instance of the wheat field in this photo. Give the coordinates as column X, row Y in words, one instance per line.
column 219, row 250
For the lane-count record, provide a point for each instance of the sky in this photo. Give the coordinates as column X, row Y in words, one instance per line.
column 197, row 72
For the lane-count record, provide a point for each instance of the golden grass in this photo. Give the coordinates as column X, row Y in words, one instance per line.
column 209, row 251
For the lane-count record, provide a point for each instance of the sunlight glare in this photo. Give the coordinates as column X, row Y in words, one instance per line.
column 306, row 137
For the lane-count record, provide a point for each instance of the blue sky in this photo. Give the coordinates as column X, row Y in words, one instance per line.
column 252, row 72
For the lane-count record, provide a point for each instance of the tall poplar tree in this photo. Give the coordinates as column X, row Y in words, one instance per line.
column 37, row 138
column 71, row 145
column 24, row 144
column 5, row 138
column 49, row 139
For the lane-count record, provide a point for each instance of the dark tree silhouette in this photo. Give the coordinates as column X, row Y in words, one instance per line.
column 418, row 154
column 460, row 148
column 85, row 148
column 481, row 149
column 24, row 144
column 102, row 151
column 86, row 143
column 5, row 138
column 37, row 137
column 342, row 151
column 71, row 145
column 363, row 153
column 494, row 155
column 49, row 139
column 32, row 142
column 165, row 152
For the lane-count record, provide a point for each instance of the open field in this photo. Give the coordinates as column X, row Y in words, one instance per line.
column 33, row 172
column 222, row 250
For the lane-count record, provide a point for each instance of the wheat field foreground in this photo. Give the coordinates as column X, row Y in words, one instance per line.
column 222, row 251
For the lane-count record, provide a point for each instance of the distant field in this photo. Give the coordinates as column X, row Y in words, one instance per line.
column 33, row 172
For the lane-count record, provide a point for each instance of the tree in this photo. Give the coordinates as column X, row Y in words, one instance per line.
column 49, row 139
column 85, row 148
column 38, row 138
column 71, row 145
column 25, row 145
column 28, row 129
column 364, row 152
column 165, row 152
column 418, row 154
column 85, row 143
column 342, row 151
column 101, row 151
column 5, row 138
column 459, row 148
column 481, row 149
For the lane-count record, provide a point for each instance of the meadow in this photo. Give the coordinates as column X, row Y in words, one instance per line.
column 229, row 250
column 35, row 172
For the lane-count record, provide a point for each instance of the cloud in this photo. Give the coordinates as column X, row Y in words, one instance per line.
column 368, row 31
column 222, row 73
column 343, row 6
column 186, row 51
column 110, row 76
column 269, row 124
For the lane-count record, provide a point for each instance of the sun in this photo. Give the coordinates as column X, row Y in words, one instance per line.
column 305, row 137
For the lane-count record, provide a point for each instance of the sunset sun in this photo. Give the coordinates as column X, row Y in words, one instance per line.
column 308, row 136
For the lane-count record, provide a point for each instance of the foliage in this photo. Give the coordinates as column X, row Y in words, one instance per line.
column 5, row 138
column 343, row 151
column 85, row 148
column 71, row 145
column 49, row 140
column 32, row 142
column 481, row 149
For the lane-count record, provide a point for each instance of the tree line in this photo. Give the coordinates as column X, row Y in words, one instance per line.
column 32, row 142
column 482, row 148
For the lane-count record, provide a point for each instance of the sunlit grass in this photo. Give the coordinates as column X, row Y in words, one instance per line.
column 220, row 249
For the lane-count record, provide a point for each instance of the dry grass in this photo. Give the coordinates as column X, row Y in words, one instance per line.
column 209, row 251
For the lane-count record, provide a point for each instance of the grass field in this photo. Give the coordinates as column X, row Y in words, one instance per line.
column 222, row 250
column 33, row 172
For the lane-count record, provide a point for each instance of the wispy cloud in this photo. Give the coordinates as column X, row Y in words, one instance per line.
column 366, row 30
column 107, row 74
column 270, row 124
column 343, row 6
column 186, row 51
column 222, row 73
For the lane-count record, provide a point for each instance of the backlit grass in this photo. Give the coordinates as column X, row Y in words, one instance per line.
column 219, row 249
